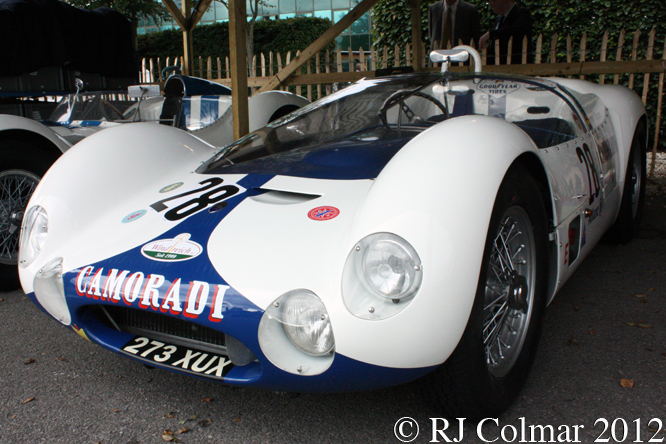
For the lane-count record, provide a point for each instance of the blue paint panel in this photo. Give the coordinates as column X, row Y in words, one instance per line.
column 343, row 160
column 240, row 316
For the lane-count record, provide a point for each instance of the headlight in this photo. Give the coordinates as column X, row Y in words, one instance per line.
column 307, row 324
column 296, row 335
column 382, row 274
column 33, row 235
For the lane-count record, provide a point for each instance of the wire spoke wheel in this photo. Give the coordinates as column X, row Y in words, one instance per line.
column 492, row 360
column 16, row 187
column 509, row 291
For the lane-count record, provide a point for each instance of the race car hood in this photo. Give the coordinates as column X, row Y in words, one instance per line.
column 115, row 200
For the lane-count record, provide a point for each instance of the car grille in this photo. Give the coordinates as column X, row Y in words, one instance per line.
column 161, row 327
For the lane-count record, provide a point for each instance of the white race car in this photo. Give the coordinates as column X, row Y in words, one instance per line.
column 403, row 227
column 28, row 148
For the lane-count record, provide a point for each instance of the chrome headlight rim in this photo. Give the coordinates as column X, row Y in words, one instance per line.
column 34, row 232
column 301, row 312
column 382, row 275
column 281, row 341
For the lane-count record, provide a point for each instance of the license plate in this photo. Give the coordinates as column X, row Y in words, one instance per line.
column 178, row 357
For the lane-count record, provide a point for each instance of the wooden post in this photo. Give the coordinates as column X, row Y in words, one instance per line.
column 569, row 56
column 553, row 49
column 657, row 126
column 417, row 58
column 318, row 71
column 524, row 59
column 309, row 86
column 634, row 54
column 602, row 57
column 143, row 72
column 238, row 53
column 650, row 51
column 618, row 55
column 338, row 59
column 583, row 47
column 539, row 47
column 327, row 69
column 152, row 71
column 497, row 52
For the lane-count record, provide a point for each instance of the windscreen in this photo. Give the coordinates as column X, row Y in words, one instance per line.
column 96, row 106
column 384, row 110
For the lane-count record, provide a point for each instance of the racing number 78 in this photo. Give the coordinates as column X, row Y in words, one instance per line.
column 201, row 201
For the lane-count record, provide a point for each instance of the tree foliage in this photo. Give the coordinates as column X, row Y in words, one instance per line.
column 134, row 10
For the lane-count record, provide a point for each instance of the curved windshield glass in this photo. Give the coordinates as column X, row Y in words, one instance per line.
column 97, row 106
column 384, row 110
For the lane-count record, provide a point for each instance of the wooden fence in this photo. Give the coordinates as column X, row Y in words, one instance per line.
column 553, row 56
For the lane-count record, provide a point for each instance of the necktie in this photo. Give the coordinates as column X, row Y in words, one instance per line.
column 448, row 26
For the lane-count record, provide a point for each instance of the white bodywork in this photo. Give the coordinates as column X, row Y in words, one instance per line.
column 437, row 193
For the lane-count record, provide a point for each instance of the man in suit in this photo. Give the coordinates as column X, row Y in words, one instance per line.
column 513, row 21
column 453, row 20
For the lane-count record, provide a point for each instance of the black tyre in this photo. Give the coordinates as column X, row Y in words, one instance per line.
column 633, row 195
column 23, row 165
column 489, row 366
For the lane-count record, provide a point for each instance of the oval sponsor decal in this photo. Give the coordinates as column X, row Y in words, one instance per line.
column 180, row 248
column 133, row 216
column 323, row 213
column 171, row 187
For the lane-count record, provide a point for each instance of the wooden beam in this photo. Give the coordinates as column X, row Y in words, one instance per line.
column 198, row 12
column 188, row 43
column 319, row 44
column 175, row 13
column 417, row 59
column 238, row 56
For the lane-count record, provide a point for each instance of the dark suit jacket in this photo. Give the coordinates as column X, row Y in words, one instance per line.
column 518, row 24
column 466, row 27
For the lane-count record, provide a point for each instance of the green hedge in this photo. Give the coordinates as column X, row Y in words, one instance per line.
column 213, row 40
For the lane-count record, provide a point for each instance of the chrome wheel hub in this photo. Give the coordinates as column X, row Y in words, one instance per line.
column 509, row 291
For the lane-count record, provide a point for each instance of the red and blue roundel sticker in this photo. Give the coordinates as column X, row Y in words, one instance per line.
column 323, row 213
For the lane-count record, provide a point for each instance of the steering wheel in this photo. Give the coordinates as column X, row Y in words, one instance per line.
column 399, row 96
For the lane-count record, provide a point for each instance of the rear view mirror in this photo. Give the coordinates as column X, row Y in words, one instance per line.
column 460, row 53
